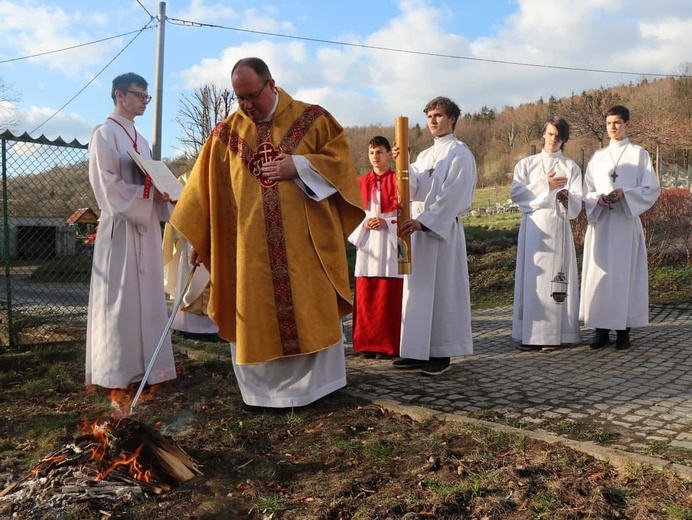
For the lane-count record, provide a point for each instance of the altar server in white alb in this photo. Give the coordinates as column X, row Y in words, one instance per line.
column 620, row 184
column 127, row 306
column 191, row 320
column 547, row 187
column 436, row 317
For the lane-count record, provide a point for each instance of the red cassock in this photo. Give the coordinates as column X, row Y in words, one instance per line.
column 378, row 292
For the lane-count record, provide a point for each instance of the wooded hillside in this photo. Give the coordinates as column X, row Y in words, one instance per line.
column 661, row 122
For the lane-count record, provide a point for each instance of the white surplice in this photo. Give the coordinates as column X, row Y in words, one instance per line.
column 296, row 380
column 127, row 306
column 377, row 250
column 177, row 271
column 615, row 289
column 545, row 248
column 436, row 318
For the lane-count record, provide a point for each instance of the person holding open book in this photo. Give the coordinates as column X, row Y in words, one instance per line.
column 127, row 306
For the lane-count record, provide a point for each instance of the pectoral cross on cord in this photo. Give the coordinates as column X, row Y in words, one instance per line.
column 133, row 141
column 614, row 174
column 147, row 179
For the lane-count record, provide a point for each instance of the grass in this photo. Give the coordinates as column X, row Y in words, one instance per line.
column 379, row 452
column 270, row 505
column 339, row 458
column 677, row 512
column 66, row 269
column 484, row 197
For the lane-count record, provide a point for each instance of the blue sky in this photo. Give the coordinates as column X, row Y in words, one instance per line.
column 359, row 85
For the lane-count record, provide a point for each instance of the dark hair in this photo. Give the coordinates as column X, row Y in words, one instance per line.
column 123, row 82
column 449, row 107
column 562, row 127
column 619, row 110
column 256, row 64
column 378, row 140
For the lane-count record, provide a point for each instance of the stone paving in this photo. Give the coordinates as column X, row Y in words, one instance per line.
column 637, row 400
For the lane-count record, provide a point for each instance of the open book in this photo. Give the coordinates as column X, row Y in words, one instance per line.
column 160, row 175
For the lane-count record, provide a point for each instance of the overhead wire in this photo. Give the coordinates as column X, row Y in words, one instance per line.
column 55, row 51
column 146, row 10
column 190, row 23
column 178, row 21
column 139, row 32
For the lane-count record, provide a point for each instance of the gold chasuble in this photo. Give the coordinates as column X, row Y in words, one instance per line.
column 276, row 257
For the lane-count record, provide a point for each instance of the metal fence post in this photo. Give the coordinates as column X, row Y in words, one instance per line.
column 6, row 246
column 49, row 212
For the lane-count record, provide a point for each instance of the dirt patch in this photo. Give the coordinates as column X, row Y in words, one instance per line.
column 340, row 458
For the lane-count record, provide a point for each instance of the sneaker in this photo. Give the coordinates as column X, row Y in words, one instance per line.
column 529, row 348
column 367, row 355
column 549, row 348
column 601, row 339
column 436, row 366
column 407, row 363
column 622, row 342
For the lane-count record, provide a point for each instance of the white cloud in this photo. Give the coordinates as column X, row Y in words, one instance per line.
column 206, row 12
column 30, row 28
column 67, row 126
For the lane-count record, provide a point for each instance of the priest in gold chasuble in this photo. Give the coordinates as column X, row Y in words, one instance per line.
column 267, row 208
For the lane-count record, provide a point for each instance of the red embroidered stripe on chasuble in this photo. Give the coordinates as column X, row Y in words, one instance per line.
column 273, row 221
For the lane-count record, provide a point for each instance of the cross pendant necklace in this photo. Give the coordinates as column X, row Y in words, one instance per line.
column 613, row 174
column 133, row 141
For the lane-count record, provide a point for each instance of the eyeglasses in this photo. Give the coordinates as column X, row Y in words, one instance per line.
column 145, row 98
column 252, row 97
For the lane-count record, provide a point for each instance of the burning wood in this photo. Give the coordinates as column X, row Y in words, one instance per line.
column 113, row 460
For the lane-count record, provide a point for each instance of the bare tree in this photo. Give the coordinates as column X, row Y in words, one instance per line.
column 9, row 117
column 199, row 113
column 506, row 128
column 586, row 113
column 658, row 120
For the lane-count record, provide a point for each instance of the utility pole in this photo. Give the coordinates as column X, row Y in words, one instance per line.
column 158, row 85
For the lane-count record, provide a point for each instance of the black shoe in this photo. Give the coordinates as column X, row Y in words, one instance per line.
column 384, row 356
column 529, row 348
column 601, row 339
column 367, row 355
column 406, row 363
column 436, row 366
column 622, row 342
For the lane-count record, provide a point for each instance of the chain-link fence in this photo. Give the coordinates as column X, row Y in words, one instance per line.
column 49, row 217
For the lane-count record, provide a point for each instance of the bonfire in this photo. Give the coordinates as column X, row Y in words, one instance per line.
column 110, row 460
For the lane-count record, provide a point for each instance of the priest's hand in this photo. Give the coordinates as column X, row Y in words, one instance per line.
column 280, row 169
column 193, row 257
column 376, row 223
column 555, row 182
